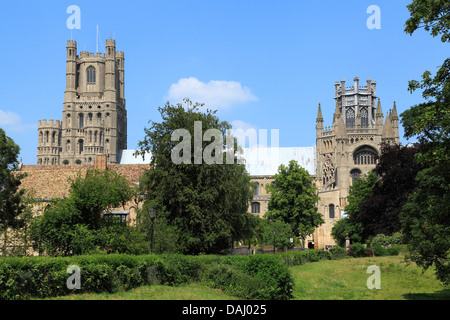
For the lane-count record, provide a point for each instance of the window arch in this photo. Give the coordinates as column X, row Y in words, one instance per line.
column 90, row 74
column 81, row 121
column 364, row 118
column 80, row 146
column 331, row 211
column 350, row 118
column 256, row 189
column 256, row 207
column 364, row 156
column 355, row 174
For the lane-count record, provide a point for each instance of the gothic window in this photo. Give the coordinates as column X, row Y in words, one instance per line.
column 256, row 189
column 53, row 137
column 355, row 174
column 80, row 146
column 46, row 136
column 364, row 118
column 81, row 121
column 90, row 74
column 90, row 116
column 256, row 207
column 365, row 156
column 99, row 116
column 331, row 211
column 350, row 118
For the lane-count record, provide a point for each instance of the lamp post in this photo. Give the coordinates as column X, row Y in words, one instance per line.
column 152, row 215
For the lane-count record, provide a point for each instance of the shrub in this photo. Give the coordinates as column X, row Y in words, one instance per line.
column 358, row 250
column 378, row 250
column 338, row 252
column 252, row 277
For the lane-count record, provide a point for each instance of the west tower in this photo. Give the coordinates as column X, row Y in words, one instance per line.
column 94, row 117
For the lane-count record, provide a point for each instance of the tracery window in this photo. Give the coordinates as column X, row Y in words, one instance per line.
column 350, row 118
column 364, row 118
column 90, row 74
column 365, row 156
column 256, row 207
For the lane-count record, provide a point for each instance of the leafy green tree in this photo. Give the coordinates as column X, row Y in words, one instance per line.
column 11, row 205
column 74, row 225
column 276, row 233
column 344, row 227
column 206, row 202
column 293, row 199
column 426, row 215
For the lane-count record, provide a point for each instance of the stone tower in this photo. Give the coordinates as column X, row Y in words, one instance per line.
column 94, row 118
column 348, row 148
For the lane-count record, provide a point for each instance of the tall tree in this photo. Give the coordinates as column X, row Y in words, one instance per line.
column 379, row 211
column 293, row 200
column 426, row 215
column 207, row 202
column 11, row 205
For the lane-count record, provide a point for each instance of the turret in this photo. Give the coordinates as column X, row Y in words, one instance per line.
column 71, row 69
column 110, row 70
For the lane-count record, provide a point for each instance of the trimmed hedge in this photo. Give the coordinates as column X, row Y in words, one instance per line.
column 251, row 277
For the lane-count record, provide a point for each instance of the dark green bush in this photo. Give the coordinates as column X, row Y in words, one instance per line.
column 338, row 252
column 252, row 277
column 358, row 250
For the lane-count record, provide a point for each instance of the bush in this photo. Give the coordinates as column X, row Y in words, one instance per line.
column 358, row 250
column 338, row 252
column 378, row 250
column 252, row 277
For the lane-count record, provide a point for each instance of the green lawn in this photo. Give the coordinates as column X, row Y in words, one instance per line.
column 347, row 279
column 323, row 280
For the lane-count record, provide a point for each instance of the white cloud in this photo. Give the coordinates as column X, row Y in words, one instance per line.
column 13, row 122
column 8, row 118
column 216, row 94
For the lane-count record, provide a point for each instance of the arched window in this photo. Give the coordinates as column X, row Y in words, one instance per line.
column 365, row 156
column 364, row 118
column 355, row 174
column 256, row 189
column 255, row 207
column 80, row 146
column 90, row 74
column 81, row 121
column 331, row 211
column 350, row 118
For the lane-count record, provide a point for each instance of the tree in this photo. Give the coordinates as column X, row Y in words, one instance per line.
column 74, row 225
column 207, row 202
column 380, row 209
column 293, row 200
column 425, row 217
column 11, row 205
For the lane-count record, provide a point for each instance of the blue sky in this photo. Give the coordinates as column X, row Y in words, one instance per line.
column 263, row 64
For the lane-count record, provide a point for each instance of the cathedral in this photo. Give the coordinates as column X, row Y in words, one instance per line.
column 93, row 133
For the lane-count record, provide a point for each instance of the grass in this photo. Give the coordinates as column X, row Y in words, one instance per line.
column 192, row 291
column 346, row 279
column 343, row 279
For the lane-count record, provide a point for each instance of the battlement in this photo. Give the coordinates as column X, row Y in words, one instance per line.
column 86, row 54
column 71, row 43
column 50, row 124
column 342, row 89
column 120, row 54
column 110, row 42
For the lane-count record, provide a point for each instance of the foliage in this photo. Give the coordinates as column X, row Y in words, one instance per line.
column 11, row 205
column 379, row 211
column 358, row 250
column 386, row 240
column 283, row 233
column 74, row 225
column 293, row 199
column 207, row 203
column 425, row 216
column 344, row 227
column 254, row 277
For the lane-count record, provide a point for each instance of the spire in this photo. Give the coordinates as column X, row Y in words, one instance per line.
column 319, row 120
column 379, row 112
column 388, row 131
column 394, row 112
column 319, row 113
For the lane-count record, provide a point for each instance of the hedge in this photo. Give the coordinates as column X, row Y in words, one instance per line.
column 251, row 277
